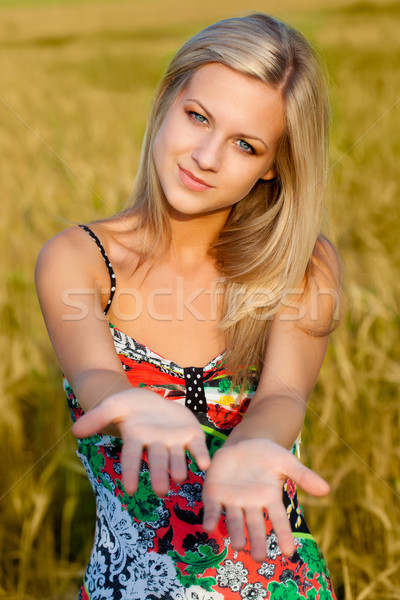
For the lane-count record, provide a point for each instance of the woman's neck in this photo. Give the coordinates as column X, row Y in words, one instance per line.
column 192, row 236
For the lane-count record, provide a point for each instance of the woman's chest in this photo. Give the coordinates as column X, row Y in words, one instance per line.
column 175, row 315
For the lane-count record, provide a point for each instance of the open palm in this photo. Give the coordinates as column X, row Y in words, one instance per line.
column 246, row 479
column 145, row 421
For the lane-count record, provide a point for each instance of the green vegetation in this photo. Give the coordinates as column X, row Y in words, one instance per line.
column 76, row 85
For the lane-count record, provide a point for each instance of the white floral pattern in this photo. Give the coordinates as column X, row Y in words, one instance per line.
column 254, row 591
column 191, row 492
column 114, row 532
column 149, row 576
column 195, row 592
column 273, row 550
column 232, row 575
column 96, row 571
column 267, row 570
column 145, row 537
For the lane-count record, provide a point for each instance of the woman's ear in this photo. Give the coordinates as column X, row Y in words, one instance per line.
column 270, row 174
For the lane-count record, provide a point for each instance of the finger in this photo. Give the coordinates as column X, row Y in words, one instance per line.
column 309, row 481
column 158, row 462
column 255, row 521
column 131, row 456
column 93, row 421
column 178, row 464
column 212, row 514
column 281, row 526
column 198, row 449
column 235, row 525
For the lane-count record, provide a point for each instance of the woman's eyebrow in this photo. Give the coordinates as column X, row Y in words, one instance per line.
column 211, row 117
column 202, row 107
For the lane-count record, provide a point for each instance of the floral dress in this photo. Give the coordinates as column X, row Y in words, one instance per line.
column 151, row 548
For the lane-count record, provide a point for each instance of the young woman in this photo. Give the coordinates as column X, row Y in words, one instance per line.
column 191, row 342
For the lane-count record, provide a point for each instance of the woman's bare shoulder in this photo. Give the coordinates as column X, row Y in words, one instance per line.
column 118, row 236
column 322, row 299
column 315, row 307
column 326, row 262
column 67, row 247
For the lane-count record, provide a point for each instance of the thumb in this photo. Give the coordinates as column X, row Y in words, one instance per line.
column 307, row 479
column 95, row 420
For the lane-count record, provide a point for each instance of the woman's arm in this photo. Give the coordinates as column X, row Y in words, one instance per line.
column 69, row 275
column 247, row 474
column 291, row 367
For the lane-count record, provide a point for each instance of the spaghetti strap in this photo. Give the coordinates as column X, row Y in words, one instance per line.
column 108, row 264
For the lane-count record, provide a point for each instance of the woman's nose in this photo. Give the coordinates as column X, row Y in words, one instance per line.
column 208, row 153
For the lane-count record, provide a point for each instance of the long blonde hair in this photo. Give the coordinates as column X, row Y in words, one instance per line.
column 268, row 240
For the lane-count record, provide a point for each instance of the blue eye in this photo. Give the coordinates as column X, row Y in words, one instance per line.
column 197, row 117
column 246, row 147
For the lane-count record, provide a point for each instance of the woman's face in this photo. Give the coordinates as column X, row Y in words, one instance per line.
column 217, row 140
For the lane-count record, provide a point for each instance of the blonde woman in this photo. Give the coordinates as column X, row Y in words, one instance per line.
column 191, row 342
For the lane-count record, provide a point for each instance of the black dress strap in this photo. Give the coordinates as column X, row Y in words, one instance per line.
column 108, row 264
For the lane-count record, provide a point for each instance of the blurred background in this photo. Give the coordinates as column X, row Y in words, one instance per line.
column 76, row 82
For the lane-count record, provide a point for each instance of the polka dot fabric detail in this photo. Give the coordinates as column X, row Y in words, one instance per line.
column 108, row 265
column 195, row 396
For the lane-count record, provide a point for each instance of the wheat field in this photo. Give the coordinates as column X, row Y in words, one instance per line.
column 76, row 82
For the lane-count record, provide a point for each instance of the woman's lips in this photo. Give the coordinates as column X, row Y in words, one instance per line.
column 192, row 182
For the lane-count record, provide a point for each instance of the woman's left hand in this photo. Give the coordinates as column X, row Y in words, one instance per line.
column 246, row 478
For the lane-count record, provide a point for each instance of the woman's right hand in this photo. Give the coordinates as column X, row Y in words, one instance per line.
column 144, row 420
